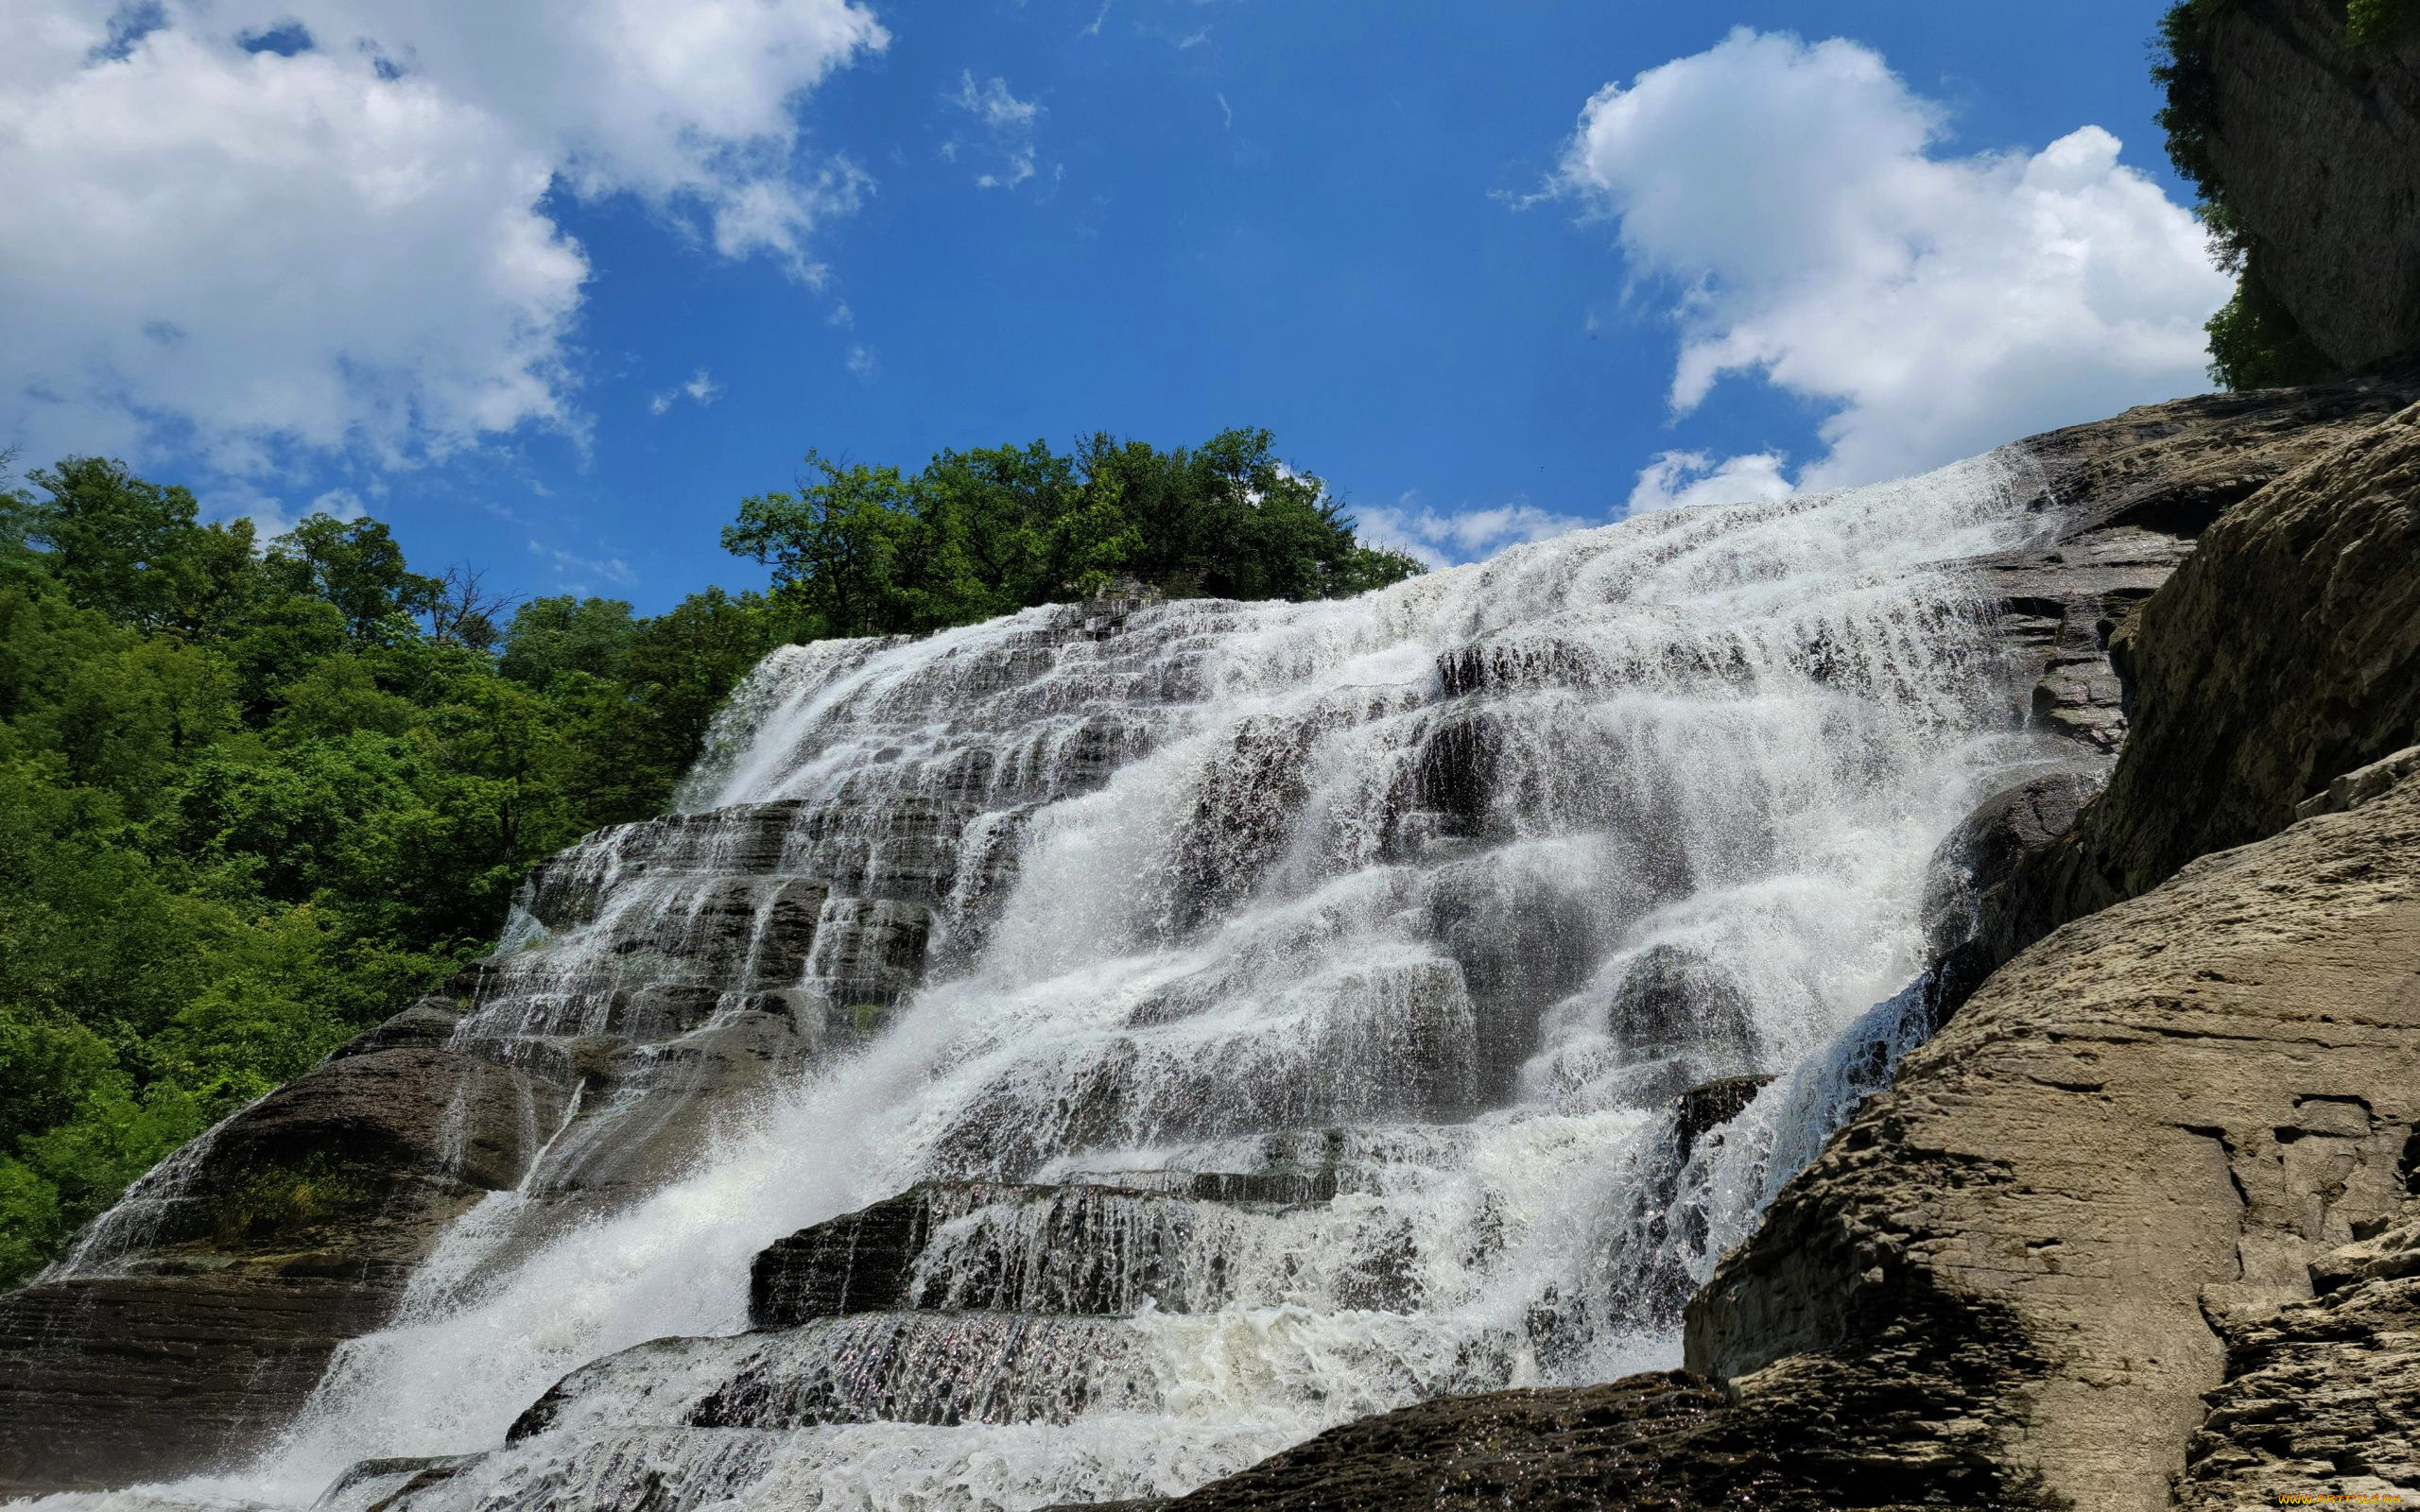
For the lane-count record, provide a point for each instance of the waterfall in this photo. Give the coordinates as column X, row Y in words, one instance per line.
column 1262, row 1014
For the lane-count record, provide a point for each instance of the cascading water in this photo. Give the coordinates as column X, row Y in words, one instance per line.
column 1307, row 988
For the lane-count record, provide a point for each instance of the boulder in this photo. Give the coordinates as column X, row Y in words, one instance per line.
column 1648, row 1441
column 1965, row 908
column 1675, row 1001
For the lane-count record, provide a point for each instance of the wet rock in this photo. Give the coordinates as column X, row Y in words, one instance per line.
column 1523, row 942
column 870, row 950
column 933, row 1369
column 1652, row 1441
column 385, row 1484
column 1081, row 1249
column 204, row 1316
column 862, row 1261
column 109, row 1381
column 1676, row 1002
column 1700, row 1110
column 2229, row 1062
column 1241, row 819
column 1968, row 930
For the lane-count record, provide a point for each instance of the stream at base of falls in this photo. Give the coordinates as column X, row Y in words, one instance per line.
column 1307, row 993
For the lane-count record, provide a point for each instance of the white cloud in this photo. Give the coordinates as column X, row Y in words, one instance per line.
column 269, row 514
column 1094, row 31
column 1676, row 480
column 1439, row 539
column 1008, row 121
column 862, row 363
column 1944, row 304
column 347, row 245
column 702, row 389
column 574, row 571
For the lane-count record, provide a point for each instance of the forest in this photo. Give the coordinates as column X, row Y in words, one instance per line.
column 256, row 795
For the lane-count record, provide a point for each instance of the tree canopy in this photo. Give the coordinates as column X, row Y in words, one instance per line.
column 866, row 550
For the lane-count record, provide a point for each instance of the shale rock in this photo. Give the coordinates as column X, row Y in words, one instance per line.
column 205, row 1316
column 2123, row 500
column 2287, row 652
column 2156, row 1119
column 2322, row 1398
column 1972, row 871
column 1648, row 1441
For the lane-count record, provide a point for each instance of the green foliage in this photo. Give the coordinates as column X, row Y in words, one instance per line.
column 2255, row 343
column 256, row 795
column 861, row 550
column 551, row 636
column 275, row 1201
column 253, row 798
column 2376, row 25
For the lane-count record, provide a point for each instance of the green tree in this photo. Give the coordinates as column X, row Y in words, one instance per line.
column 833, row 545
column 118, row 545
column 2256, row 342
column 551, row 636
column 358, row 567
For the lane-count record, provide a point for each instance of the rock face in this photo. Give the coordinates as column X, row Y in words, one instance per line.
column 2324, row 1397
column 2130, row 495
column 2155, row 1118
column 2287, row 652
column 199, row 1318
column 1639, row 1442
column 2317, row 146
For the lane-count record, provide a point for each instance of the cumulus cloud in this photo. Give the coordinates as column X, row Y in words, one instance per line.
column 256, row 224
column 1009, row 123
column 1676, row 480
column 1439, row 539
column 700, row 389
column 1796, row 197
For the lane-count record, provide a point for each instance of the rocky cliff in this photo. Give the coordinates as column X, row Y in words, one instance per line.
column 2284, row 654
column 2318, row 143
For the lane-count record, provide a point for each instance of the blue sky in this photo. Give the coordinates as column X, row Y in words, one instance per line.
column 552, row 295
